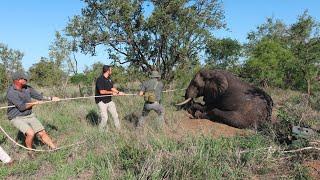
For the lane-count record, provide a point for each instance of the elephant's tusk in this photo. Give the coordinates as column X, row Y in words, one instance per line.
column 184, row 102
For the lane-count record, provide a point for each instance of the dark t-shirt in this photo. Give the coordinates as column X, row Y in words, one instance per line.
column 103, row 83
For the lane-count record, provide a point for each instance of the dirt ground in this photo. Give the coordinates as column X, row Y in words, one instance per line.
column 186, row 126
column 314, row 168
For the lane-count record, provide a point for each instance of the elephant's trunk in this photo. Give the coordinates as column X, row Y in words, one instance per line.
column 184, row 102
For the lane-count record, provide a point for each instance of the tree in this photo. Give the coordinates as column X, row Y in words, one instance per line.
column 295, row 48
column 269, row 63
column 45, row 73
column 223, row 53
column 305, row 44
column 10, row 59
column 3, row 78
column 60, row 52
column 272, row 29
column 174, row 33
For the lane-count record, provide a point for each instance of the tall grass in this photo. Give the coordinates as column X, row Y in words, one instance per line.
column 140, row 154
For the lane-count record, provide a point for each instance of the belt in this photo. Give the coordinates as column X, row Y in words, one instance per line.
column 150, row 102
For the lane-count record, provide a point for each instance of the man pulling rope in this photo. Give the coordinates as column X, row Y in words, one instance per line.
column 19, row 111
column 21, row 96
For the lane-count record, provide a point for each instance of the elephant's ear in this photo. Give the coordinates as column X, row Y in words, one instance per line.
column 217, row 78
column 222, row 82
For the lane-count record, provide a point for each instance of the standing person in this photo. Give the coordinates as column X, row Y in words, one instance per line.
column 104, row 86
column 151, row 90
column 4, row 157
column 21, row 96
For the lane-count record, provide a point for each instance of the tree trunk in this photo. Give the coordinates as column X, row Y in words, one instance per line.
column 309, row 87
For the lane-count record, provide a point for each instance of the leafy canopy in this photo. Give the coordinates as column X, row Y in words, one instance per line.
column 147, row 34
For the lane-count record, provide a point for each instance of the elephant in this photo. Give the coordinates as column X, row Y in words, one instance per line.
column 227, row 99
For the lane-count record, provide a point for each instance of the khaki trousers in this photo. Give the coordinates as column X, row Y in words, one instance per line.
column 104, row 109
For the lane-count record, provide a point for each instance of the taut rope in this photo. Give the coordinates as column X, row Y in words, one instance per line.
column 65, row 99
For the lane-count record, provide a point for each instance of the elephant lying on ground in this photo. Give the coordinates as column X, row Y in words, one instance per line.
column 227, row 99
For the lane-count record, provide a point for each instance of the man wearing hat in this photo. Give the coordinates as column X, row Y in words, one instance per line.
column 151, row 90
column 104, row 91
column 21, row 96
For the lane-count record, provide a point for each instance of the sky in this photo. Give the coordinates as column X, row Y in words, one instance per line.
column 30, row 25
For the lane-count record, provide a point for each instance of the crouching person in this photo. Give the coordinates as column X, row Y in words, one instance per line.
column 151, row 90
column 21, row 96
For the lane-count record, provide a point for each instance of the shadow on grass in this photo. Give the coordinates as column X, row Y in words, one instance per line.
column 133, row 118
column 93, row 118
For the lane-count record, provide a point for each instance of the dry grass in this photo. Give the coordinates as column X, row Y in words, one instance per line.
column 151, row 153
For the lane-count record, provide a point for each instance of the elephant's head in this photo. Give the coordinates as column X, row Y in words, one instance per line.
column 206, row 83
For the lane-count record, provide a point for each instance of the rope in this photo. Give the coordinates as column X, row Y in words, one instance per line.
column 65, row 99
column 39, row 150
column 87, row 97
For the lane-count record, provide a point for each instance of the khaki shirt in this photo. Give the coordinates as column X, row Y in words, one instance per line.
column 152, row 85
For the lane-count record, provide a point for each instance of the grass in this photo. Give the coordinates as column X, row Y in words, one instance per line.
column 148, row 154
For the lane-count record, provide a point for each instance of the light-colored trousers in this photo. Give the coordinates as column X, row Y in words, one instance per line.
column 104, row 109
column 4, row 157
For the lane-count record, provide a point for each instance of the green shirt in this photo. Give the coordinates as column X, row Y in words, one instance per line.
column 153, row 85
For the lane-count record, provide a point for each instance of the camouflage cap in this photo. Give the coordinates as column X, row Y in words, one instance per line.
column 19, row 75
column 155, row 74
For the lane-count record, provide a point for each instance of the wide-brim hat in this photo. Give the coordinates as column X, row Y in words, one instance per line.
column 19, row 75
column 155, row 74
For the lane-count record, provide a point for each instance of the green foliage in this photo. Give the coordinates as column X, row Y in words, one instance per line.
column 123, row 78
column 305, row 45
column 46, row 73
column 223, row 53
column 78, row 78
column 173, row 33
column 10, row 59
column 4, row 79
column 285, row 56
column 132, row 158
column 270, row 64
column 184, row 73
column 137, row 154
column 301, row 172
column 315, row 101
column 60, row 53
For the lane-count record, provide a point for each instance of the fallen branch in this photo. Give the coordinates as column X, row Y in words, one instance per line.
column 302, row 149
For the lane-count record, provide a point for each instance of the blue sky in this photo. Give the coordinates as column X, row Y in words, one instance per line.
column 30, row 25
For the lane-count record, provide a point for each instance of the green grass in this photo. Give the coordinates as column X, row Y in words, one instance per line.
column 149, row 154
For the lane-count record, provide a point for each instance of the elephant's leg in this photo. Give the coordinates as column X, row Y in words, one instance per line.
column 232, row 118
column 195, row 109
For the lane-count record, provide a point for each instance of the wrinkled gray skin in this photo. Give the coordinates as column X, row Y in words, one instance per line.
column 227, row 99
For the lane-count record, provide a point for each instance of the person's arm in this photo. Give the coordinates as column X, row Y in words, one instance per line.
column 116, row 92
column 105, row 92
column 142, row 89
column 15, row 100
column 34, row 94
